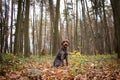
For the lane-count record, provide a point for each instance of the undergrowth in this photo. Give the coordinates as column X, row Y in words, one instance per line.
column 78, row 63
column 9, row 63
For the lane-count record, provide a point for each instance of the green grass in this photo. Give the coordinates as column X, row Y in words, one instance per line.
column 82, row 59
column 39, row 59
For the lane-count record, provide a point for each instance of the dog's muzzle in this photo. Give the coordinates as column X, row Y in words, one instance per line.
column 65, row 45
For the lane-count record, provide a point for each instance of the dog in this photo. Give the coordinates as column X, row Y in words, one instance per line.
column 62, row 54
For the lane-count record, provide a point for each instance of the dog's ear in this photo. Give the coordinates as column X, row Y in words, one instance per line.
column 68, row 42
column 62, row 43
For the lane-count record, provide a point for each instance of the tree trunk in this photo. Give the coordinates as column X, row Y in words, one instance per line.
column 1, row 30
column 6, row 27
column 17, row 32
column 84, row 31
column 91, row 46
column 76, row 27
column 33, row 33
column 40, row 29
column 107, row 40
column 1, row 22
column 11, row 28
column 45, row 31
column 66, row 18
column 51, row 9
column 116, row 14
column 22, row 27
column 55, row 31
column 26, row 30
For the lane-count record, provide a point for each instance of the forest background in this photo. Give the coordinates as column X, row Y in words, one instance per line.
column 31, row 32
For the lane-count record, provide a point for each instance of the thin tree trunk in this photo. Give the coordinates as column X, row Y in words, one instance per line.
column 6, row 27
column 1, row 30
column 45, row 35
column 108, row 47
column 66, row 17
column 11, row 29
column 76, row 32
column 40, row 29
column 26, row 30
column 1, row 25
column 84, row 45
column 55, row 33
column 51, row 9
column 22, row 28
column 17, row 32
column 91, row 47
column 33, row 33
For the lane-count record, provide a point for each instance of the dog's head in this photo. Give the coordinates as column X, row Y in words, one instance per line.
column 65, row 43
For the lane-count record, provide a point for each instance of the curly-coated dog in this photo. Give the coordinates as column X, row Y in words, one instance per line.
column 62, row 55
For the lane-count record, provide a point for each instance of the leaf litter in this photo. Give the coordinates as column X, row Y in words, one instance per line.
column 107, row 69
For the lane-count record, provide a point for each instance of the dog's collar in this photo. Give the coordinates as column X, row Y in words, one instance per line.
column 64, row 48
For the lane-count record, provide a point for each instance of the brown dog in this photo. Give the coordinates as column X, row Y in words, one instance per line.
column 62, row 54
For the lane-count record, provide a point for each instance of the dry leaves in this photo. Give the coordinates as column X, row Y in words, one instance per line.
column 45, row 71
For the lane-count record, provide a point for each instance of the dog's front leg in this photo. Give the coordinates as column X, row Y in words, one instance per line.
column 62, row 62
column 66, row 60
column 62, row 59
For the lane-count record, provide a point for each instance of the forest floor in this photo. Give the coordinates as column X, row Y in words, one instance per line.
column 81, row 67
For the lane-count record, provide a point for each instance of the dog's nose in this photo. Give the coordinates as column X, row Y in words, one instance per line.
column 66, row 44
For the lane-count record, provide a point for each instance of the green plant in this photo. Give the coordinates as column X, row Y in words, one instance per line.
column 9, row 62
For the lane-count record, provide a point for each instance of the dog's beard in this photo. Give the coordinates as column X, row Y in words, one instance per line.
column 65, row 45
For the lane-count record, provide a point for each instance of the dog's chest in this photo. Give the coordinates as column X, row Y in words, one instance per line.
column 65, row 55
column 62, row 54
